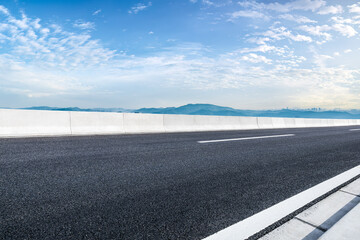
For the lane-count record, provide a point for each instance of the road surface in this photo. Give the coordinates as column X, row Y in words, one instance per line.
column 160, row 186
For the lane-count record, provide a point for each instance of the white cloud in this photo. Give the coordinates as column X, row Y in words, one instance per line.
column 151, row 33
column 254, row 58
column 347, row 51
column 262, row 48
column 96, row 12
column 305, row 5
column 208, row 2
column 354, row 8
column 301, row 38
column 259, row 40
column 248, row 14
column 36, row 23
column 296, row 18
column 40, row 61
column 282, row 57
column 45, row 31
column 352, row 21
column 139, row 7
column 21, row 23
column 330, row 10
column 279, row 33
column 323, row 30
column 4, row 10
column 345, row 30
column 320, row 30
column 321, row 59
column 84, row 25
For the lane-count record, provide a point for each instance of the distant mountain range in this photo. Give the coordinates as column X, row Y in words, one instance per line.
column 79, row 109
column 209, row 109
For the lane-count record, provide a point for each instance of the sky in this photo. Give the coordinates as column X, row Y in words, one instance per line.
column 247, row 54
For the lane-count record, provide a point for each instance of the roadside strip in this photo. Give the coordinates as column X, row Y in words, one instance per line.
column 246, row 138
column 283, row 211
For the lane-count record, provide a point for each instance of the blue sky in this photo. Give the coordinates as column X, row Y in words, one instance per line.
column 132, row 54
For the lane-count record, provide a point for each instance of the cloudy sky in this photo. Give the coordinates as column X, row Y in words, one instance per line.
column 131, row 54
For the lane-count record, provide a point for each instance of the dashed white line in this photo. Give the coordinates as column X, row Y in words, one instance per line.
column 356, row 129
column 246, row 138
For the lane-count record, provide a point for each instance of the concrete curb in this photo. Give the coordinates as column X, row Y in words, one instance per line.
column 335, row 217
column 264, row 221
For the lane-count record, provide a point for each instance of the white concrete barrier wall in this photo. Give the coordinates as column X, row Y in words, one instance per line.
column 206, row 123
column 265, row 122
column 331, row 122
column 237, row 123
column 290, row 122
column 143, row 123
column 324, row 122
column 179, row 123
column 300, row 122
column 97, row 123
column 278, row 122
column 341, row 122
column 33, row 123
column 337, row 122
column 248, row 123
column 352, row 122
column 39, row 123
column 309, row 122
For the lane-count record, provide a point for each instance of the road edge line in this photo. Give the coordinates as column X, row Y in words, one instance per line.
column 260, row 223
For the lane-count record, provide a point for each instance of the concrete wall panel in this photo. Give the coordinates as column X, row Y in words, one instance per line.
column 290, row 122
column 331, row 122
column 206, row 123
column 324, row 123
column 312, row 122
column 143, row 123
column 300, row 122
column 97, row 123
column 248, row 122
column 265, row 122
column 179, row 123
column 279, row 122
column 352, row 122
column 34, row 123
column 230, row 122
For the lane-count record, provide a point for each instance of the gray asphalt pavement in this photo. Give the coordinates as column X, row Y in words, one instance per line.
column 159, row 186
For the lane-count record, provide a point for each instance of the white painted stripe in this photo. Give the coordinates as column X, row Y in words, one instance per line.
column 356, row 129
column 246, row 138
column 254, row 224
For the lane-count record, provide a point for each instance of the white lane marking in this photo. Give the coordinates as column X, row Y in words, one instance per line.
column 356, row 129
column 254, row 224
column 246, row 138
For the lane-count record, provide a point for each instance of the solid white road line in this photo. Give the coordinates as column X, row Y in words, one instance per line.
column 356, row 129
column 246, row 138
column 254, row 224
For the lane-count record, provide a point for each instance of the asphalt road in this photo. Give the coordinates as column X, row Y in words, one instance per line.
column 159, row 186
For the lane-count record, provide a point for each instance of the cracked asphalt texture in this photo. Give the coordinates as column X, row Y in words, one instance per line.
column 159, row 186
